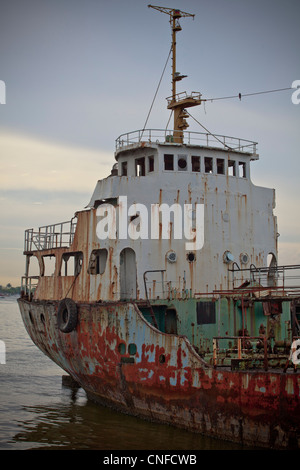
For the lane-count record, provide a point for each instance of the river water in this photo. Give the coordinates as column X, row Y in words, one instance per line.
column 37, row 411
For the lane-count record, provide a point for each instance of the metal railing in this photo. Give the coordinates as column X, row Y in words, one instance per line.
column 50, row 236
column 160, row 288
column 183, row 95
column 159, row 136
column 238, row 351
column 28, row 285
column 283, row 280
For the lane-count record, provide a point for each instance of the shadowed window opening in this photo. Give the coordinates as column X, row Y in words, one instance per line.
column 124, row 169
column 208, row 164
column 150, row 164
column 220, row 166
column 206, row 313
column 195, row 163
column 169, row 161
column 97, row 262
column 140, row 167
column 71, row 263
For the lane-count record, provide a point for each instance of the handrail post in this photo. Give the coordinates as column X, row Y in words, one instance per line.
column 265, row 353
column 61, row 235
column 239, row 348
column 215, row 351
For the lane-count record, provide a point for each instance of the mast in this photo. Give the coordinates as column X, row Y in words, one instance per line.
column 178, row 102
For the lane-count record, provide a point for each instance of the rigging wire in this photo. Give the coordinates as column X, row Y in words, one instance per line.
column 169, row 119
column 229, row 97
column 240, row 95
column 215, row 137
column 156, row 92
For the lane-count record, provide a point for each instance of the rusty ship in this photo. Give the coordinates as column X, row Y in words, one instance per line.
column 191, row 321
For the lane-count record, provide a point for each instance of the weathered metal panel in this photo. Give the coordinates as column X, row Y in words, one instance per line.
column 236, row 217
column 166, row 380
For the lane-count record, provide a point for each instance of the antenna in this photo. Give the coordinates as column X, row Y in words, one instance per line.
column 178, row 102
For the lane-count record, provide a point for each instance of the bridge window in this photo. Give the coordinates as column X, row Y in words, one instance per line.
column 220, row 166
column 150, row 164
column 231, row 168
column 208, row 164
column 140, row 167
column 195, row 163
column 242, row 169
column 169, row 161
column 124, row 169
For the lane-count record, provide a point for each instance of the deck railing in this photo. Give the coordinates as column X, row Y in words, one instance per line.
column 28, row 285
column 183, row 95
column 253, row 352
column 167, row 136
column 238, row 351
column 160, row 288
column 50, row 236
column 283, row 280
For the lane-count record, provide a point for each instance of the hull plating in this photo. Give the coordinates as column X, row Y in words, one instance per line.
column 124, row 362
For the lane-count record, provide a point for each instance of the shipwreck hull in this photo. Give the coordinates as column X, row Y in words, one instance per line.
column 122, row 361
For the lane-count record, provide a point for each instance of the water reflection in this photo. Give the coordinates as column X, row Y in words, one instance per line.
column 39, row 411
column 77, row 423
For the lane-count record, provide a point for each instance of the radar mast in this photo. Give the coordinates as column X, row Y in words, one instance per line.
column 178, row 101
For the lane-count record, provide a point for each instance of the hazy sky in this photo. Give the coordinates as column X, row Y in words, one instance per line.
column 79, row 73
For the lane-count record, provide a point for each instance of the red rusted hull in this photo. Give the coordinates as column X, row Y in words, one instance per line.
column 160, row 377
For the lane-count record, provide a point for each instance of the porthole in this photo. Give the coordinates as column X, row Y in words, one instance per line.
column 122, row 348
column 228, row 257
column 171, row 256
column 191, row 257
column 182, row 164
column 244, row 258
column 132, row 349
column 162, row 359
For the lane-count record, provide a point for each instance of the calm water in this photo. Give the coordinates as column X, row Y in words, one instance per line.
column 38, row 412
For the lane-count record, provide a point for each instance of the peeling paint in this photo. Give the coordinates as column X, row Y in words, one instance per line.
column 92, row 357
